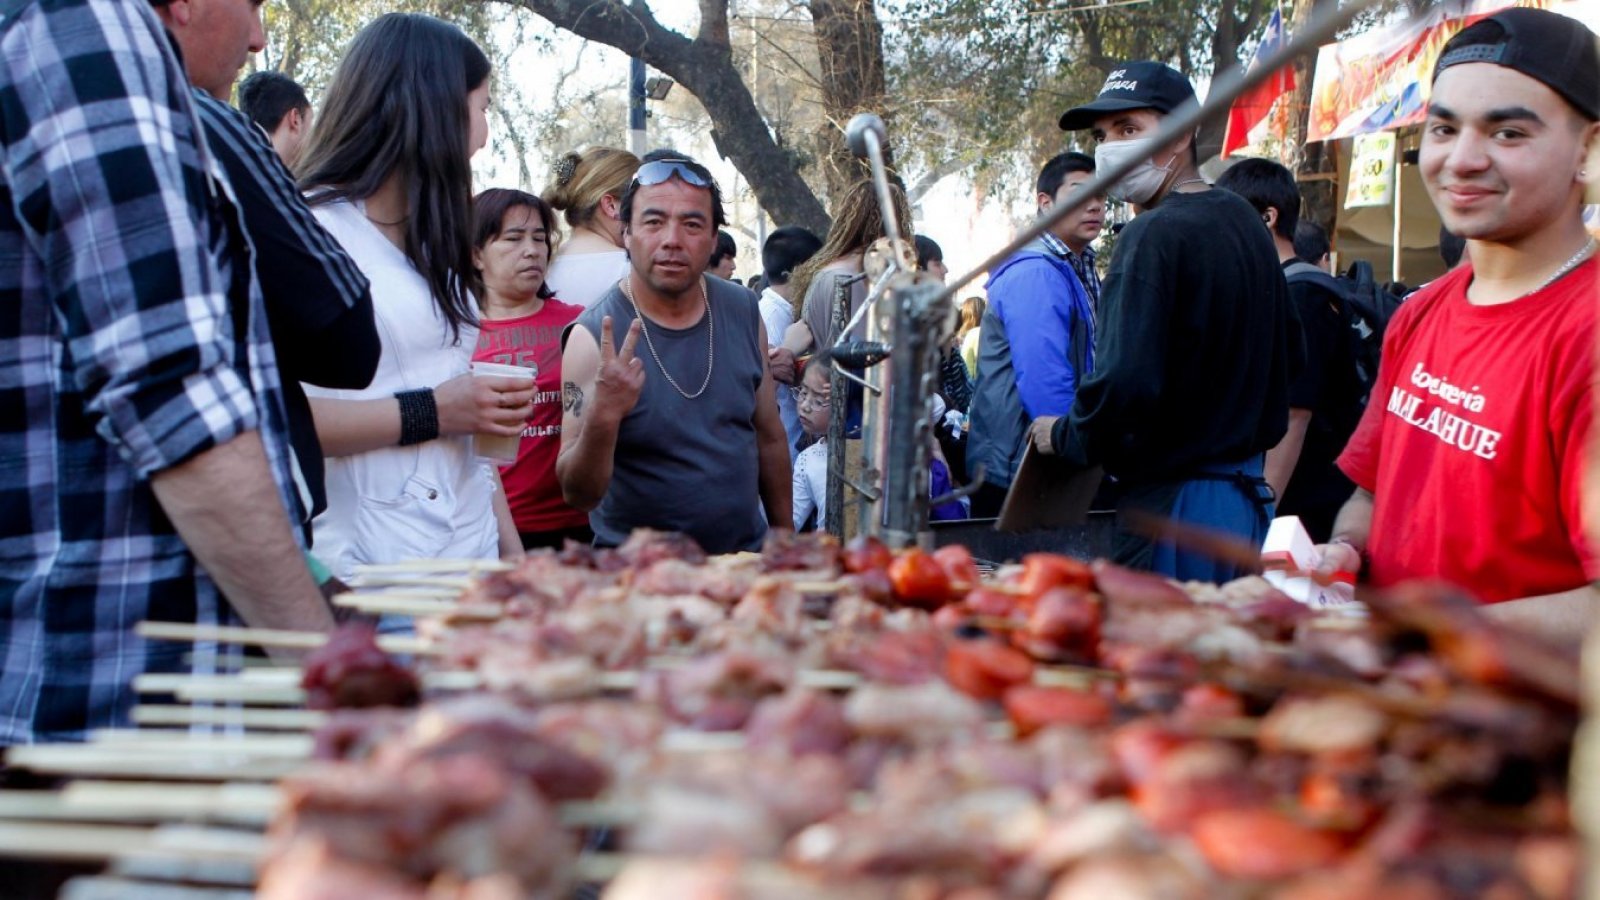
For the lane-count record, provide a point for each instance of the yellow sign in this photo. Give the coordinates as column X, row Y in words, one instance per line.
column 1371, row 171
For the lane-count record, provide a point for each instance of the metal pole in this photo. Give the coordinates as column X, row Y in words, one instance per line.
column 839, row 411
column 919, row 315
column 1399, row 173
column 636, row 111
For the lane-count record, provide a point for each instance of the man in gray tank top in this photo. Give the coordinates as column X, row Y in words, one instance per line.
column 670, row 417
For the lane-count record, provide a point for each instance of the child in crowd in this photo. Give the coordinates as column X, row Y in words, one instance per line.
column 813, row 402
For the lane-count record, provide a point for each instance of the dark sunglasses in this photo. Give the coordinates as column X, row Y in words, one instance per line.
column 660, row 170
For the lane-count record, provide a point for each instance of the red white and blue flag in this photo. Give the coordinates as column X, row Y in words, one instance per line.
column 1254, row 105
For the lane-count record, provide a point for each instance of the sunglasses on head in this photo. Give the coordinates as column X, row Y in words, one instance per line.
column 660, row 170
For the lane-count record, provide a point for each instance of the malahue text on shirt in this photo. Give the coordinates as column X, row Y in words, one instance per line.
column 1448, row 427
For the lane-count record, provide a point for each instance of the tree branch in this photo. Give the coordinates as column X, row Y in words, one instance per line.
column 713, row 23
column 706, row 70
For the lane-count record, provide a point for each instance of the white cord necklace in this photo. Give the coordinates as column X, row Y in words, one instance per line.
column 711, row 338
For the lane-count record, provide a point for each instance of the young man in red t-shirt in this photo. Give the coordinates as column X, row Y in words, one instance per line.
column 1469, row 456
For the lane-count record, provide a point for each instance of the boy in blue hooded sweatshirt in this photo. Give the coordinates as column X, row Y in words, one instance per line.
column 1037, row 339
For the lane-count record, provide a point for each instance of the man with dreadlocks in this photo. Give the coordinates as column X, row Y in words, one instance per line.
column 856, row 224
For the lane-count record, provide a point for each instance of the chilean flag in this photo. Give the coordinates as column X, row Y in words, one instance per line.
column 1248, row 111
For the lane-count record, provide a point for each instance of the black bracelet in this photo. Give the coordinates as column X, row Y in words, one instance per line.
column 419, row 416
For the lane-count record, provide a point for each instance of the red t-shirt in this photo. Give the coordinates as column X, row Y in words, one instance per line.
column 1473, row 440
column 530, row 482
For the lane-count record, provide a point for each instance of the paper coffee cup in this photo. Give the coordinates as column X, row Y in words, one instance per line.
column 495, row 446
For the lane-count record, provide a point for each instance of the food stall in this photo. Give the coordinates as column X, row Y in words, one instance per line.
column 865, row 719
column 1377, row 82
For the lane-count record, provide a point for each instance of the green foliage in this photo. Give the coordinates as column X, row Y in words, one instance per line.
column 307, row 38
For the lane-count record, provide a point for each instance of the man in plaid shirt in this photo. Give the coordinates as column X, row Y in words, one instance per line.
column 144, row 469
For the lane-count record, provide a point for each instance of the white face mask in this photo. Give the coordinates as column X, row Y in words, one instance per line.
column 1140, row 185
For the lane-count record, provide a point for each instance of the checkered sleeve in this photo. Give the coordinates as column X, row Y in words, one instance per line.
column 109, row 185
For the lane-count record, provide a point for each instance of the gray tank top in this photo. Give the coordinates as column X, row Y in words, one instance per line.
column 688, row 465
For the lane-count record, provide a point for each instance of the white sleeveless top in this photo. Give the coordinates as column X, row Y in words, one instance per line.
column 433, row 499
column 582, row 278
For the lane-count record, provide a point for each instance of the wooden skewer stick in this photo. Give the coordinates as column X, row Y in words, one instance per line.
column 244, row 804
column 268, row 637
column 86, row 759
column 398, row 579
column 238, row 717
column 247, row 802
column 50, row 840
column 401, row 605
column 281, row 687
column 434, row 565
column 152, row 741
column 408, row 593
column 167, row 682
column 108, row 887
column 119, row 801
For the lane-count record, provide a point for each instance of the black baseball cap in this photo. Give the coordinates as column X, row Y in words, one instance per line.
column 1133, row 85
column 1555, row 50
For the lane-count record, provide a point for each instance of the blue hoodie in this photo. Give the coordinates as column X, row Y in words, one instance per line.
column 1025, row 357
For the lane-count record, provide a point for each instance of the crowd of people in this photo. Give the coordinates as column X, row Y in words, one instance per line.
column 256, row 348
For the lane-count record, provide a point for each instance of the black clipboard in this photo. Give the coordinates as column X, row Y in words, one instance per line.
column 1048, row 492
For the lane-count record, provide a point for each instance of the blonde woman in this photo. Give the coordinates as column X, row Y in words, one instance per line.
column 587, row 190
column 967, row 335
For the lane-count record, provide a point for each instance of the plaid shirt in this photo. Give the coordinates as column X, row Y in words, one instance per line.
column 1081, row 263
column 133, row 339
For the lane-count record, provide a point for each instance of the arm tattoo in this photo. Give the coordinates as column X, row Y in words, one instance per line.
column 572, row 399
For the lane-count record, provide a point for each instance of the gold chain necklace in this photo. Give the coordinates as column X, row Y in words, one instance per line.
column 711, row 338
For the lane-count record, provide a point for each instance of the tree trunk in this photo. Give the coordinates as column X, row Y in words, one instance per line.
column 704, row 67
column 850, row 47
column 1236, row 19
column 1315, row 166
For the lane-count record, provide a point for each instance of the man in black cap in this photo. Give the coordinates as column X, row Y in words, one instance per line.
column 1469, row 458
column 1196, row 340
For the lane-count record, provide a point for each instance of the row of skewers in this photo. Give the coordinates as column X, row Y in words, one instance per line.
column 817, row 721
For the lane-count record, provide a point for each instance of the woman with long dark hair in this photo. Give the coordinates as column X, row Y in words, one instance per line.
column 387, row 173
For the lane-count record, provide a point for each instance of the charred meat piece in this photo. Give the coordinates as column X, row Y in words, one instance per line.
column 498, row 729
column 789, row 551
column 891, row 657
column 1064, row 626
column 790, row 792
column 350, row 671
column 974, row 834
column 355, row 733
column 644, row 547
column 717, row 692
column 800, row 722
column 461, row 815
column 919, row 714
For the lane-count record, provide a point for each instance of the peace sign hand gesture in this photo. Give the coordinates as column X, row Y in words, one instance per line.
column 621, row 376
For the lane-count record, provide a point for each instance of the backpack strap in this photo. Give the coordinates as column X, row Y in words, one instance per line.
column 1306, row 273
